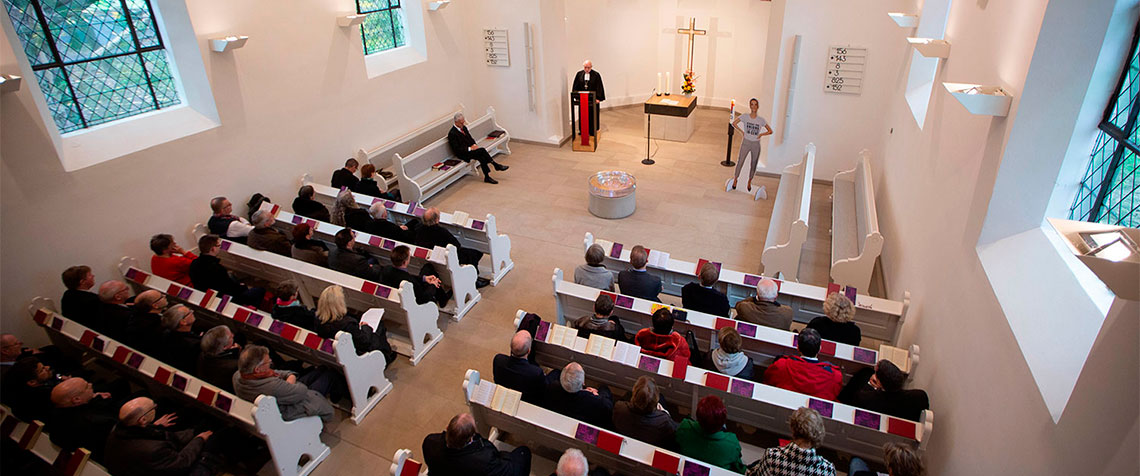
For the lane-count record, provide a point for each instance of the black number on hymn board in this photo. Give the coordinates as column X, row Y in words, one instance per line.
column 841, row 58
column 837, row 80
column 841, row 51
column 837, row 87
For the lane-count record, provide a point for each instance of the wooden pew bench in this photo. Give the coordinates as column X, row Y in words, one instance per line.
column 472, row 233
column 404, row 465
column 383, row 156
column 877, row 318
column 543, row 428
column 762, row 343
column 419, row 181
column 290, row 443
column 855, row 239
column 787, row 230
column 413, row 328
column 851, row 430
column 461, row 279
column 364, row 374
column 30, row 437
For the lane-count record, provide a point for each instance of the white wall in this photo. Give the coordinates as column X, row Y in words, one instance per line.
column 840, row 125
column 629, row 42
column 295, row 99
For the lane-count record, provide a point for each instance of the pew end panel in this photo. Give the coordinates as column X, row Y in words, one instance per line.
column 927, row 423
column 295, row 445
column 461, row 278
column 364, row 375
column 500, row 250
column 409, row 189
column 422, row 322
column 560, row 307
column 404, row 465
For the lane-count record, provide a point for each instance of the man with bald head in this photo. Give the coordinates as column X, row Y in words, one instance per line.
column 589, row 80
column 143, row 444
column 460, row 449
column 144, row 327
column 431, row 234
column 517, row 371
column 180, row 344
column 465, row 148
column 114, row 310
column 81, row 417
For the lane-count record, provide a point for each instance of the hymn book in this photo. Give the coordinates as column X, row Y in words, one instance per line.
column 658, row 259
column 562, row 335
column 897, row 356
column 626, row 353
column 483, row 393
column 438, row 254
column 600, row 346
column 505, row 400
column 459, row 218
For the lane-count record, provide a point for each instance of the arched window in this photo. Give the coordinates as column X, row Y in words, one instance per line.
column 1108, row 190
column 383, row 28
column 96, row 61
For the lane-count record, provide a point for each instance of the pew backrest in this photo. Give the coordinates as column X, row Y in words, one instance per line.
column 419, row 181
column 877, row 318
column 472, row 233
column 849, row 429
column 460, row 278
column 855, row 239
column 30, row 437
column 415, row 325
column 364, row 374
column 787, row 230
column 615, row 452
column 407, row 144
column 295, row 446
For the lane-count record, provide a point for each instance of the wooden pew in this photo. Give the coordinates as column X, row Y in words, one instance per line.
column 858, row 432
column 855, row 239
column 30, row 437
column 407, row 144
column 461, row 279
column 878, row 318
column 787, row 231
column 413, row 328
column 404, row 465
column 418, row 181
column 546, row 429
column 762, row 343
column 364, row 374
column 472, row 233
column 290, row 442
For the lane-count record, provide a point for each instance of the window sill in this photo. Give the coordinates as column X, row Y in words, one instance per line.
column 384, row 62
column 98, row 144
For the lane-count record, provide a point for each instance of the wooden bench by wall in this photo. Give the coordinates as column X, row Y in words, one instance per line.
column 461, row 278
column 849, row 429
column 289, row 442
column 855, row 239
column 413, row 328
column 405, row 145
column 472, row 233
column 543, row 428
column 364, row 374
column 787, row 231
column 878, row 318
column 419, row 182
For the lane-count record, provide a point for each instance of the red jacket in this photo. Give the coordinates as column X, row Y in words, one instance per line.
column 175, row 268
column 657, row 345
column 818, row 379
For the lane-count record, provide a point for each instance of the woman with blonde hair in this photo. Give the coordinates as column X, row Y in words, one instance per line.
column 333, row 317
column 837, row 325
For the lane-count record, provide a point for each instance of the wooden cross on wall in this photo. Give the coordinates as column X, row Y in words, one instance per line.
column 691, row 32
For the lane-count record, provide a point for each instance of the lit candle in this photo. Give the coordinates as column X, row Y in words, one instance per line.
column 731, row 111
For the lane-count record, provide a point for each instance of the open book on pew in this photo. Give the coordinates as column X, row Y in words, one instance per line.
column 600, row 346
column 497, row 397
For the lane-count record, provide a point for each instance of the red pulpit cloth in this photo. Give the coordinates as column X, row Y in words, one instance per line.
column 584, row 114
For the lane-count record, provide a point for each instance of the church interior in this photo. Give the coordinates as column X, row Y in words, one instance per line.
column 956, row 152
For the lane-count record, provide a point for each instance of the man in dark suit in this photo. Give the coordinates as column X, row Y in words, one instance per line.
column 465, row 148
column 207, row 272
column 219, row 358
column 567, row 394
column 589, row 80
column 517, row 372
column 346, row 259
column 78, row 302
column 381, row 226
column 82, row 418
column 431, row 234
column 702, row 297
column 305, row 206
column 114, row 297
column 182, row 344
column 144, row 326
column 881, row 390
column 346, row 177
column 427, row 285
column 461, row 450
column 637, row 282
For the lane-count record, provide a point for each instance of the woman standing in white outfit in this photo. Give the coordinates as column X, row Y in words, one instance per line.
column 753, row 128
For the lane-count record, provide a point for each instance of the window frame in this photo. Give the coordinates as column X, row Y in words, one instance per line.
column 396, row 9
column 1120, row 137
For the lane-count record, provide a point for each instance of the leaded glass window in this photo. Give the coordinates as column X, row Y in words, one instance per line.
column 383, row 28
column 95, row 60
column 1108, row 190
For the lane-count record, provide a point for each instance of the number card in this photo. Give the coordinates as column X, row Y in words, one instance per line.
column 845, row 67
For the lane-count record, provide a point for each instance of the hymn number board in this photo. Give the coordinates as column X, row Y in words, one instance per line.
column 845, row 66
column 496, row 48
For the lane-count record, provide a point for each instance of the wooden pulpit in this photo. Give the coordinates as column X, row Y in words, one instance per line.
column 583, row 121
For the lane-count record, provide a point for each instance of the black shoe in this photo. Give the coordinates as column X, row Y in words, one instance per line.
column 482, row 282
column 488, row 179
column 500, row 167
